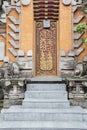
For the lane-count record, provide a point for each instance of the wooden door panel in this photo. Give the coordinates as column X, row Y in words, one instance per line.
column 46, row 49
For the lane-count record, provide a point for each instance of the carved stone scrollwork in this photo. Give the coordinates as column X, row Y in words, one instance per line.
column 3, row 13
column 26, row 2
column 13, row 93
column 66, row 2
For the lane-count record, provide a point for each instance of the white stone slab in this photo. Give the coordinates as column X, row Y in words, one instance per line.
column 46, row 87
column 45, row 104
column 46, row 94
column 2, row 50
column 46, row 125
column 20, row 53
column 6, row 59
column 25, row 2
column 29, row 53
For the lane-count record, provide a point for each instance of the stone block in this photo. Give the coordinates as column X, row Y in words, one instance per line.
column 13, row 51
column 58, row 79
column 21, row 53
column 42, row 116
column 25, row 63
column 66, row 2
column 46, row 94
column 14, row 20
column 6, row 59
column 71, row 53
column 27, row 2
column 85, row 58
column 29, row 53
column 50, row 104
column 46, row 87
column 43, row 125
column 2, row 50
column 62, row 53
column 78, row 44
column 79, row 51
column 67, row 63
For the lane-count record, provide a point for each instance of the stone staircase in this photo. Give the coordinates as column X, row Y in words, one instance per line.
column 45, row 107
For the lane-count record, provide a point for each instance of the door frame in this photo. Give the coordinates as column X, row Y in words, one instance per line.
column 57, row 52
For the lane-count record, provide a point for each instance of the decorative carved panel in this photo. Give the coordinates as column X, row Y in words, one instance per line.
column 46, row 49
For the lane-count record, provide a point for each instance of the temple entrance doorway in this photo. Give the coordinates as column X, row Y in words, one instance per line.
column 46, row 48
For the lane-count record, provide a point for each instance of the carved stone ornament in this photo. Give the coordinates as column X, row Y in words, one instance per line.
column 26, row 2
column 66, row 2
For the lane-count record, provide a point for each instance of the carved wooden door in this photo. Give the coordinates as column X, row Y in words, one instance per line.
column 46, row 49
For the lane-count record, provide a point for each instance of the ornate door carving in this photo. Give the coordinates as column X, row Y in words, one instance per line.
column 46, row 49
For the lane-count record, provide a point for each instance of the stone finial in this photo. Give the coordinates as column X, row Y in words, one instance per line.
column 4, row 8
column 62, row 53
column 25, row 2
column 5, row 5
column 85, row 58
column 6, row 59
column 71, row 53
column 29, row 53
column 20, row 53
column 66, row 2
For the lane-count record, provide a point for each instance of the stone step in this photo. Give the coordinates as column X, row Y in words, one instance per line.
column 62, row 110
column 46, row 87
column 42, row 125
column 45, row 103
column 85, row 116
column 43, row 115
column 46, row 79
column 46, row 94
column 73, row 108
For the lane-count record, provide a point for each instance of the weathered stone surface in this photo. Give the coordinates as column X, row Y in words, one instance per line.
column 74, row 2
column 14, row 28
column 14, row 20
column 43, row 115
column 30, row 53
column 27, row 2
column 6, row 59
column 78, row 19
column 85, row 58
column 78, row 44
column 13, row 51
column 45, row 103
column 44, row 87
column 14, row 36
column 14, row 44
column 46, row 94
column 46, row 23
column 20, row 53
column 66, row 2
column 2, row 50
column 71, row 53
column 62, row 53
column 79, row 51
column 39, row 125
column 40, row 110
column 67, row 63
column 25, row 63
column 16, row 2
